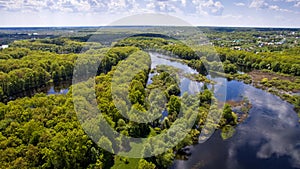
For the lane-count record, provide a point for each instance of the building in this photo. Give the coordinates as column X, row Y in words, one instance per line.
column 3, row 46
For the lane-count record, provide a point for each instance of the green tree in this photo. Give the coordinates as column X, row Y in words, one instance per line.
column 143, row 164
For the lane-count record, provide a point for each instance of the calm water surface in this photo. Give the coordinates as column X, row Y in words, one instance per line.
column 268, row 139
column 60, row 88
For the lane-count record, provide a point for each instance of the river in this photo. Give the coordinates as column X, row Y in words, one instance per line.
column 268, row 139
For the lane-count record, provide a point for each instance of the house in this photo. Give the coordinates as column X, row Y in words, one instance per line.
column 3, row 46
column 237, row 48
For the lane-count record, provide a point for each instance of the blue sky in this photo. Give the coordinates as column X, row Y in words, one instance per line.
column 262, row 13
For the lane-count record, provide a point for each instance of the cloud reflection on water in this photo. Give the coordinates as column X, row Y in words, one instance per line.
column 273, row 129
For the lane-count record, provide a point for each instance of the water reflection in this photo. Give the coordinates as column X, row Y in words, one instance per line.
column 61, row 88
column 53, row 88
column 269, row 138
column 186, row 85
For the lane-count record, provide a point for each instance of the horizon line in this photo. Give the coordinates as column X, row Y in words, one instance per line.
column 98, row 26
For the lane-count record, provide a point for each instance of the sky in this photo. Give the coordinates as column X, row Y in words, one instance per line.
column 242, row 13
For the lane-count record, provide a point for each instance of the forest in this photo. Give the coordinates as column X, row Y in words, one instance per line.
column 35, row 130
column 45, row 131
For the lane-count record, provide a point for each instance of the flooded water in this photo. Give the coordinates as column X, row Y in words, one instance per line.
column 268, row 139
column 186, row 85
column 59, row 88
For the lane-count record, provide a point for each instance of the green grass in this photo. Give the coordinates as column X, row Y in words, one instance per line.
column 126, row 163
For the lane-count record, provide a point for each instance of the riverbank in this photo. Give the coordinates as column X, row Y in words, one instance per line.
column 49, row 88
column 286, row 87
column 267, row 79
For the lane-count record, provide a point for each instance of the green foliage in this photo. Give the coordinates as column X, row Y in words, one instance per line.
column 180, row 50
column 165, row 81
column 57, row 45
column 174, row 106
column 143, row 164
column 229, row 67
column 227, row 132
column 205, row 98
column 126, row 163
column 166, row 159
column 229, row 116
column 168, row 46
column 137, row 92
column 14, row 53
column 280, row 84
column 287, row 62
column 105, row 143
column 173, row 90
column 37, row 68
column 43, row 132
column 198, row 65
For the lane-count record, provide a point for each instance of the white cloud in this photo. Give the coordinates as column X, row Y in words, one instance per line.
column 116, row 5
column 258, row 4
column 12, row 5
column 150, row 6
column 162, row 6
column 239, row 4
column 292, row 0
column 277, row 8
column 55, row 5
column 80, row 5
column 207, row 7
column 297, row 4
column 274, row 7
column 262, row 4
column 201, row 11
column 183, row 2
